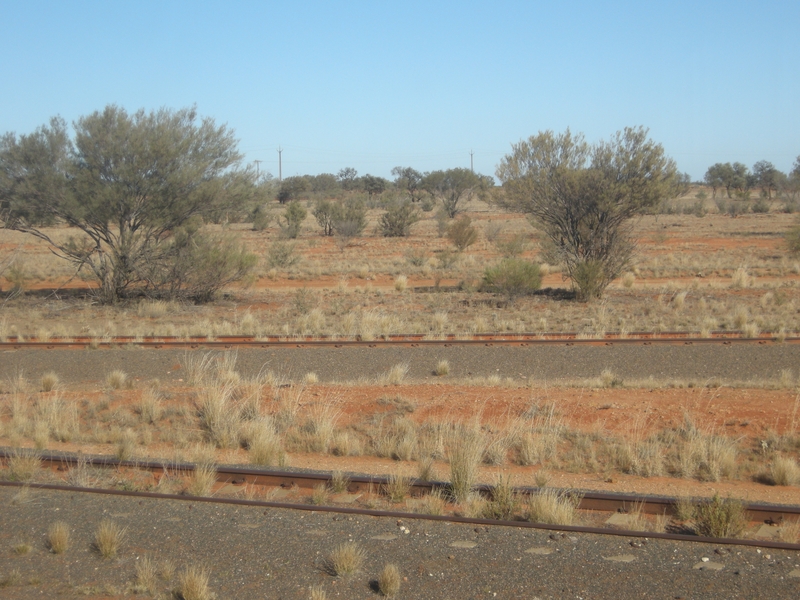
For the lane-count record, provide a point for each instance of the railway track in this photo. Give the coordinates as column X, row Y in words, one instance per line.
column 411, row 340
column 239, row 477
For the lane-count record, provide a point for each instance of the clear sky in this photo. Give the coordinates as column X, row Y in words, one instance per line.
column 377, row 84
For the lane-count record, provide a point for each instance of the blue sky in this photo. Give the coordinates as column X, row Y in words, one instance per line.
column 373, row 85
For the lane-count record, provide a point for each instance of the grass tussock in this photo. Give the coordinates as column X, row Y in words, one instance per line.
column 24, row 465
column 108, row 538
column 193, row 584
column 58, row 537
column 389, row 580
column 554, row 507
column 146, row 576
column 465, row 449
column 785, row 471
column 202, row 480
column 346, row 559
column 721, row 518
column 397, row 488
column 117, row 380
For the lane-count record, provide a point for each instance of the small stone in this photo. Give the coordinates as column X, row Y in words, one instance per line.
column 624, row 558
column 463, row 544
column 708, row 566
column 451, row 556
column 704, row 559
column 542, row 550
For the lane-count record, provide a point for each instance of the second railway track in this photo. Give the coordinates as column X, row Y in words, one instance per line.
column 230, row 478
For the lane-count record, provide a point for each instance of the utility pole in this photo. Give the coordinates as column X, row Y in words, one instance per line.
column 470, row 161
column 258, row 168
column 280, row 178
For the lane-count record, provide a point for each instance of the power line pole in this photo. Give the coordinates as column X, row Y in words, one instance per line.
column 258, row 168
column 470, row 161
column 280, row 173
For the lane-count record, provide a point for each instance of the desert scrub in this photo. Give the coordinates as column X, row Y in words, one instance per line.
column 23, row 466
column 389, row 580
column 396, row 374
column 108, row 538
column 58, row 537
column 442, row 368
column 396, row 488
column 146, row 576
column 193, row 584
column 785, row 471
column 465, row 451
column 720, row 518
column 513, row 277
column 116, row 380
column 202, row 480
column 346, row 559
column 504, row 501
column 554, row 507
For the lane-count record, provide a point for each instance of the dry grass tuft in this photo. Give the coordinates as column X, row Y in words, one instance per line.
column 193, row 584
column 321, row 495
column 396, row 374
column 339, row 482
column 465, row 451
column 785, row 471
column 24, row 465
column 346, row 559
column 202, row 480
column 149, row 407
column 389, row 580
column 49, row 381
column 108, row 538
column 397, row 487
column 433, row 503
column 401, row 283
column 146, row 576
column 116, row 380
column 442, row 368
column 554, row 507
column 317, row 593
column 58, row 537
column 22, row 548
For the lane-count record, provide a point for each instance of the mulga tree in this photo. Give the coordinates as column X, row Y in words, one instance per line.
column 583, row 197
column 133, row 187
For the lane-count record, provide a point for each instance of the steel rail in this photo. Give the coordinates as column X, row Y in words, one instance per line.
column 412, row 340
column 589, row 500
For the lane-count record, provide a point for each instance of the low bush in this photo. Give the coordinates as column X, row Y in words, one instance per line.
column 513, row 277
column 398, row 219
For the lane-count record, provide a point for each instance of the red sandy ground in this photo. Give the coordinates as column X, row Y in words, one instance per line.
column 746, row 414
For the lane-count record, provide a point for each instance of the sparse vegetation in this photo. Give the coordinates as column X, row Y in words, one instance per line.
column 108, row 538
column 58, row 537
column 722, row 518
column 346, row 559
column 389, row 580
column 194, row 584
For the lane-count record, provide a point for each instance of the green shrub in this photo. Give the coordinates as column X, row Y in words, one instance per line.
column 720, row 518
column 462, row 233
column 281, row 255
column 792, row 237
column 293, row 218
column 398, row 219
column 761, row 207
column 513, row 277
